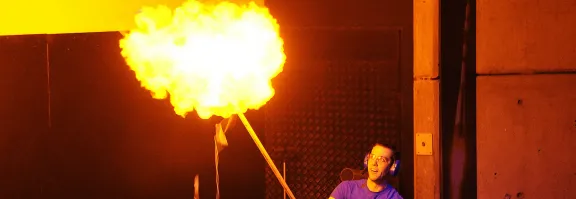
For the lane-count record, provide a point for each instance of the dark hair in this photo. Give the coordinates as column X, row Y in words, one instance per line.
column 395, row 153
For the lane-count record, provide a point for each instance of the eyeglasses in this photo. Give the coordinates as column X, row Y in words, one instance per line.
column 379, row 159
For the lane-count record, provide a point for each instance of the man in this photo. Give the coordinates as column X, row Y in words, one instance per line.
column 381, row 158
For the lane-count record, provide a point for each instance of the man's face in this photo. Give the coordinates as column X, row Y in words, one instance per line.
column 379, row 162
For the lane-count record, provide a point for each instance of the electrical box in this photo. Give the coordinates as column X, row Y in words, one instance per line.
column 423, row 144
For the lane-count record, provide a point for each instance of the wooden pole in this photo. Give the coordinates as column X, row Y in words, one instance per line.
column 265, row 154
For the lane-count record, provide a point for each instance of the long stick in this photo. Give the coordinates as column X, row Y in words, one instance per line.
column 196, row 187
column 265, row 154
column 284, row 175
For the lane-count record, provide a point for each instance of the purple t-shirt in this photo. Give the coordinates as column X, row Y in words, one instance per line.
column 356, row 189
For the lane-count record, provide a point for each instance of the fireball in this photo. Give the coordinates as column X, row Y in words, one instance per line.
column 216, row 59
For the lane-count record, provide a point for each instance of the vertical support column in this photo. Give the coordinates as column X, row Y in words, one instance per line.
column 426, row 100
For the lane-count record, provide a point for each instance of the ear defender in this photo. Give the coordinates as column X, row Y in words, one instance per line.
column 394, row 168
column 366, row 158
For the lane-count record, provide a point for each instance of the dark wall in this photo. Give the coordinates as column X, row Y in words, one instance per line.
column 23, row 114
column 347, row 84
column 458, row 98
column 76, row 124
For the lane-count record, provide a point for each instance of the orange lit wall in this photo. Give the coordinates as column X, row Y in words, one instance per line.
column 526, row 99
column 426, row 97
column 71, row 16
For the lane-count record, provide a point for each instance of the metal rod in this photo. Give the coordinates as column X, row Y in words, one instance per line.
column 265, row 154
column 284, row 172
column 196, row 187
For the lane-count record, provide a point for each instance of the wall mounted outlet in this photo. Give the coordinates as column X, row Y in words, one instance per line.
column 423, row 144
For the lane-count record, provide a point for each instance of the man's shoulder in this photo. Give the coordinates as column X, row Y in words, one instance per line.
column 357, row 182
column 348, row 186
column 358, row 189
column 391, row 193
column 353, row 183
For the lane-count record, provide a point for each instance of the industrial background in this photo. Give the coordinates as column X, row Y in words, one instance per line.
column 491, row 81
column 347, row 84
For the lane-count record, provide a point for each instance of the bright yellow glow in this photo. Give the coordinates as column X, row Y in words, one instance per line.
column 212, row 58
column 74, row 16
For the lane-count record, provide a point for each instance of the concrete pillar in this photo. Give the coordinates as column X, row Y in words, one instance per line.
column 426, row 100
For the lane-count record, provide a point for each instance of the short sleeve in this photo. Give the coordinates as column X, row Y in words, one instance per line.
column 395, row 195
column 340, row 191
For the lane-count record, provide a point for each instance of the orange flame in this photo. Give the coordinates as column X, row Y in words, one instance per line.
column 216, row 59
